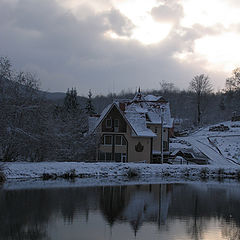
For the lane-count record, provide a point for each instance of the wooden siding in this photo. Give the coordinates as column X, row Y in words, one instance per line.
column 113, row 115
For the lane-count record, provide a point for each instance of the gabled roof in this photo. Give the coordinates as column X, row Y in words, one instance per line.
column 134, row 121
column 139, row 112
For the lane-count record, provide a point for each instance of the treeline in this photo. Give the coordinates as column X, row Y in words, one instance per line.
column 33, row 128
column 196, row 106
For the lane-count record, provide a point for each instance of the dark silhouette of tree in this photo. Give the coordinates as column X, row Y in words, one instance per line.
column 89, row 106
column 232, row 90
column 233, row 82
column 70, row 100
column 201, row 86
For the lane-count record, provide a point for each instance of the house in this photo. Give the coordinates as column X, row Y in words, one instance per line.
column 188, row 156
column 131, row 130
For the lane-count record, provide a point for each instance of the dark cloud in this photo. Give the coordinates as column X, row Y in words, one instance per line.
column 118, row 23
column 65, row 51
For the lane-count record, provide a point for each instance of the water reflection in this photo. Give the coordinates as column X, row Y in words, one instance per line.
column 168, row 211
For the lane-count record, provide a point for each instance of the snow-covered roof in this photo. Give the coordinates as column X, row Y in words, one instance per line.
column 94, row 122
column 139, row 112
column 152, row 98
column 138, row 123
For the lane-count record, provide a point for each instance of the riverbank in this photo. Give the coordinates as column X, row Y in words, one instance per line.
column 71, row 170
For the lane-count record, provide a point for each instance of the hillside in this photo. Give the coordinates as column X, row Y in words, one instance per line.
column 220, row 146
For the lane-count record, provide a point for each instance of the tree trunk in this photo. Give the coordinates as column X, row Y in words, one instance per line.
column 198, row 110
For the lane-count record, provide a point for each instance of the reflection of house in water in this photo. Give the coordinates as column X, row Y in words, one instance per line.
column 149, row 204
column 112, row 202
column 140, row 207
column 136, row 205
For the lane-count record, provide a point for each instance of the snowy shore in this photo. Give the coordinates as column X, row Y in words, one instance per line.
column 26, row 170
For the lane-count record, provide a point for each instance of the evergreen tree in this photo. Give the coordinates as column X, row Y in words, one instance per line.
column 70, row 100
column 89, row 106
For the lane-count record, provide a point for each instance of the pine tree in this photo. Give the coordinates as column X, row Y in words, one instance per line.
column 89, row 106
column 70, row 100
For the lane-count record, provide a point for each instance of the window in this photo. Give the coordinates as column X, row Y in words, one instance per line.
column 101, row 156
column 120, row 140
column 118, row 157
column 155, row 130
column 108, row 123
column 105, row 156
column 116, row 125
column 107, row 140
column 108, row 156
column 165, row 146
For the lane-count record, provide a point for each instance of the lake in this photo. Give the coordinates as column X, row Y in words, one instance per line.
column 195, row 211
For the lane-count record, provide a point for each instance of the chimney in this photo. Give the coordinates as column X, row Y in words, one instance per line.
column 122, row 106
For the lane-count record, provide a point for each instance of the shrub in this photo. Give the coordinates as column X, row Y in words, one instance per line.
column 204, row 173
column 220, row 171
column 133, row 172
column 186, row 172
column 46, row 176
column 69, row 174
column 238, row 174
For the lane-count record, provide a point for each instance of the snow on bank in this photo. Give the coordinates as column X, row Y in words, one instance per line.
column 24, row 170
column 37, row 183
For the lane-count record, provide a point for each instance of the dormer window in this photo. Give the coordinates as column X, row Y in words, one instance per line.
column 108, row 123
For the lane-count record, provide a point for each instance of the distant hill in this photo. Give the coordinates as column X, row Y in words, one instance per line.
column 54, row 96
column 58, row 97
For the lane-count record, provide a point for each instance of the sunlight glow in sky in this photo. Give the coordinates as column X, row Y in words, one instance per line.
column 220, row 50
column 146, row 30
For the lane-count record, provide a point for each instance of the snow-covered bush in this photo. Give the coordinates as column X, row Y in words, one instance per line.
column 204, row 173
column 133, row 172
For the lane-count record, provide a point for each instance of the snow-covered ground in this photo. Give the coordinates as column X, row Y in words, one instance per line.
column 222, row 148
column 229, row 146
column 25, row 170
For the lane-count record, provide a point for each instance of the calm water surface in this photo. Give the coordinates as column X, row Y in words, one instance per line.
column 165, row 211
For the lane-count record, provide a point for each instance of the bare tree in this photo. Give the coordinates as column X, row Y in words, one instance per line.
column 167, row 86
column 233, row 82
column 201, row 86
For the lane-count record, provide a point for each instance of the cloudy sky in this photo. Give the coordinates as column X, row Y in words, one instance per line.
column 110, row 45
